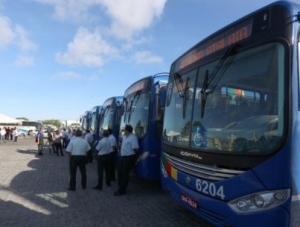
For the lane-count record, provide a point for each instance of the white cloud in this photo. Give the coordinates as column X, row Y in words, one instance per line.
column 68, row 75
column 125, row 20
column 132, row 16
column 146, row 57
column 22, row 39
column 24, row 61
column 87, row 49
column 14, row 34
column 71, row 10
column 127, row 17
column 7, row 34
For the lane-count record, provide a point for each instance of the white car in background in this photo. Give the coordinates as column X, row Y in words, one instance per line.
column 22, row 132
column 45, row 133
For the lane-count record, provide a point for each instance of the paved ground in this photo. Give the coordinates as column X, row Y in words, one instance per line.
column 33, row 193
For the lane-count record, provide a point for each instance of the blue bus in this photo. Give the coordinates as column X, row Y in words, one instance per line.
column 143, row 109
column 94, row 126
column 230, row 143
column 112, row 115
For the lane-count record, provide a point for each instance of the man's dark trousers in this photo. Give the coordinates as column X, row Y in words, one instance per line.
column 103, row 165
column 77, row 161
column 126, row 164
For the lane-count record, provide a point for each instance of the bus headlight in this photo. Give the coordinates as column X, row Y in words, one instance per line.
column 259, row 201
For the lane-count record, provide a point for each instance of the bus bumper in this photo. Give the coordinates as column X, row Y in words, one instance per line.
column 218, row 213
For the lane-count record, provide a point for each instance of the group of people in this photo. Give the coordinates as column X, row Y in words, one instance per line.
column 56, row 140
column 79, row 150
column 7, row 133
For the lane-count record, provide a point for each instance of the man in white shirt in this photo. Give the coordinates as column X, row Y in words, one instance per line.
column 15, row 134
column 103, row 148
column 77, row 151
column 129, row 149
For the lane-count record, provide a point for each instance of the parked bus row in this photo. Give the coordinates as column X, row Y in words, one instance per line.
column 141, row 106
column 222, row 129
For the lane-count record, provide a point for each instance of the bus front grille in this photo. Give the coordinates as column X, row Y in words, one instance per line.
column 211, row 173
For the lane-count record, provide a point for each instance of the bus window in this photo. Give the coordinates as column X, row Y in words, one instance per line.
column 244, row 104
column 177, row 125
column 139, row 114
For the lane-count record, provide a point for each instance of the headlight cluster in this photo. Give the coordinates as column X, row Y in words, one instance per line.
column 259, row 201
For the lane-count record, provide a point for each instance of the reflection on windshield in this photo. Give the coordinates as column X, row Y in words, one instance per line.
column 243, row 113
column 137, row 114
column 108, row 116
column 94, row 121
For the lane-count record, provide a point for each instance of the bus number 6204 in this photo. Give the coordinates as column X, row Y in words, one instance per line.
column 210, row 189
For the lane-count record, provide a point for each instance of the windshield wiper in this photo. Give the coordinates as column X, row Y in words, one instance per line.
column 204, row 92
column 185, row 96
column 134, row 100
column 216, row 75
column 125, row 108
column 183, row 92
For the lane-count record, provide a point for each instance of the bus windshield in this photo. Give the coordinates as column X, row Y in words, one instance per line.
column 244, row 104
column 108, row 117
column 94, row 120
column 86, row 121
column 136, row 110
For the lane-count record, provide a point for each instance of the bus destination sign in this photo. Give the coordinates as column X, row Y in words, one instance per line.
column 227, row 38
column 108, row 102
column 140, row 85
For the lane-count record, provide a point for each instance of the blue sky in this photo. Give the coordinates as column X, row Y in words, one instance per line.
column 60, row 58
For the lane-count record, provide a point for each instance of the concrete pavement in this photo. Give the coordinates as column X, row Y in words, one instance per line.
column 33, row 193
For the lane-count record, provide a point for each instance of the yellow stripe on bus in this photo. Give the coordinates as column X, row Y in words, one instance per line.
column 174, row 173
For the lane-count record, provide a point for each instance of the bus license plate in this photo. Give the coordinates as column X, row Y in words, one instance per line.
column 191, row 202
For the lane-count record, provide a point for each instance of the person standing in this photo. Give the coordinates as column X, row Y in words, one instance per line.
column 15, row 134
column 11, row 134
column 77, row 151
column 90, row 139
column 7, row 133
column 70, row 135
column 129, row 149
column 40, row 141
column 103, row 148
column 57, row 143
column 50, row 141
column 112, row 154
column 2, row 135
column 65, row 138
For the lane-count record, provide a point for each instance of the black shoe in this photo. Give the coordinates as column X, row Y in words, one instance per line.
column 71, row 189
column 97, row 188
column 108, row 184
column 118, row 193
column 84, row 187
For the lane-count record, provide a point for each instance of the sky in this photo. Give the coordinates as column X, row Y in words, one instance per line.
column 60, row 58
